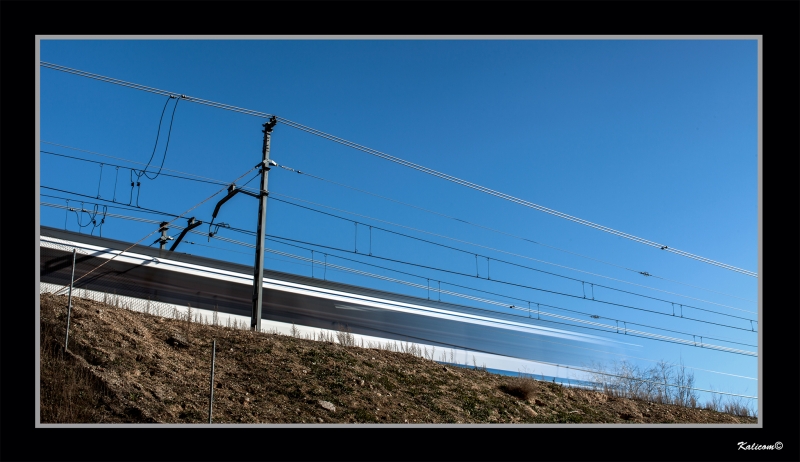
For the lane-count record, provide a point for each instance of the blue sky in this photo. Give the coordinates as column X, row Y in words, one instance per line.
column 655, row 138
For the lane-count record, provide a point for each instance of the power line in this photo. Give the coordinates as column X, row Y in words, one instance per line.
column 156, row 230
column 495, row 259
column 188, row 176
column 106, row 200
column 157, row 91
column 618, row 329
column 510, row 198
column 210, row 180
column 463, row 274
column 644, row 273
column 484, row 247
column 129, row 168
column 144, row 172
column 509, row 283
column 276, row 239
column 599, row 326
column 646, row 334
column 499, row 281
column 402, row 162
column 280, row 239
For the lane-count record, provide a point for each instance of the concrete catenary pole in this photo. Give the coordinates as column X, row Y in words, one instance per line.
column 258, row 272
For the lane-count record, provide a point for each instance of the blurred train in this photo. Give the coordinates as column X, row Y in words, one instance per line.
column 178, row 278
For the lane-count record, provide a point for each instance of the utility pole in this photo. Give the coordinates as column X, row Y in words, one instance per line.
column 258, row 276
column 164, row 238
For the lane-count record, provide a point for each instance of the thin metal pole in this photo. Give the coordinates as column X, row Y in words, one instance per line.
column 69, row 300
column 258, row 272
column 211, row 393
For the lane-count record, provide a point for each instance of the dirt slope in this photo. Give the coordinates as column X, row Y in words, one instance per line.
column 126, row 366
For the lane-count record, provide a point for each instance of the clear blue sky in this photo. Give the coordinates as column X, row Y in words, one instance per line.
column 656, row 138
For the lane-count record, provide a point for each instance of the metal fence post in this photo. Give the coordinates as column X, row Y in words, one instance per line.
column 69, row 299
column 211, row 394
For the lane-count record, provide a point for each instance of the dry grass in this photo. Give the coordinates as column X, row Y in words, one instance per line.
column 129, row 366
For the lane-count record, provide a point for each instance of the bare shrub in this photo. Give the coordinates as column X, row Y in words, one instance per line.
column 662, row 383
column 345, row 338
column 520, row 387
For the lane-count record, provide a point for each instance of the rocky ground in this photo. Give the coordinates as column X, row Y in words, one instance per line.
column 126, row 366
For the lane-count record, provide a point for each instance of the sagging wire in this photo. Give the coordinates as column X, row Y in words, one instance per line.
column 102, row 220
column 143, row 172
column 216, row 226
column 92, row 216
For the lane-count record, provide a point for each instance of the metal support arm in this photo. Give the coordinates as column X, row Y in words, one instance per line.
column 192, row 225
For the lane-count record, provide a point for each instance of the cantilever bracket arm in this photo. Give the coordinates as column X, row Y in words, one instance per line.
column 232, row 191
column 192, row 225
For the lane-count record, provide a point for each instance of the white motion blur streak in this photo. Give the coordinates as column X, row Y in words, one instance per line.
column 338, row 296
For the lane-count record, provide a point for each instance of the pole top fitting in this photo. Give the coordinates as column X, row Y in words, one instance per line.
column 269, row 125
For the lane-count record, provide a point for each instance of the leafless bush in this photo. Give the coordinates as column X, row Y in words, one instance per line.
column 521, row 387
column 663, row 383
column 344, row 337
column 738, row 406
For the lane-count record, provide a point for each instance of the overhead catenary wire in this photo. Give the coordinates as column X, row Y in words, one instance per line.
column 489, row 248
column 143, row 209
column 183, row 177
column 210, row 180
column 644, row 273
column 213, row 181
column 525, row 286
column 484, row 247
column 282, row 239
column 598, row 326
column 402, row 162
column 601, row 327
column 155, row 222
column 510, row 198
column 464, row 274
column 312, row 261
column 278, row 239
